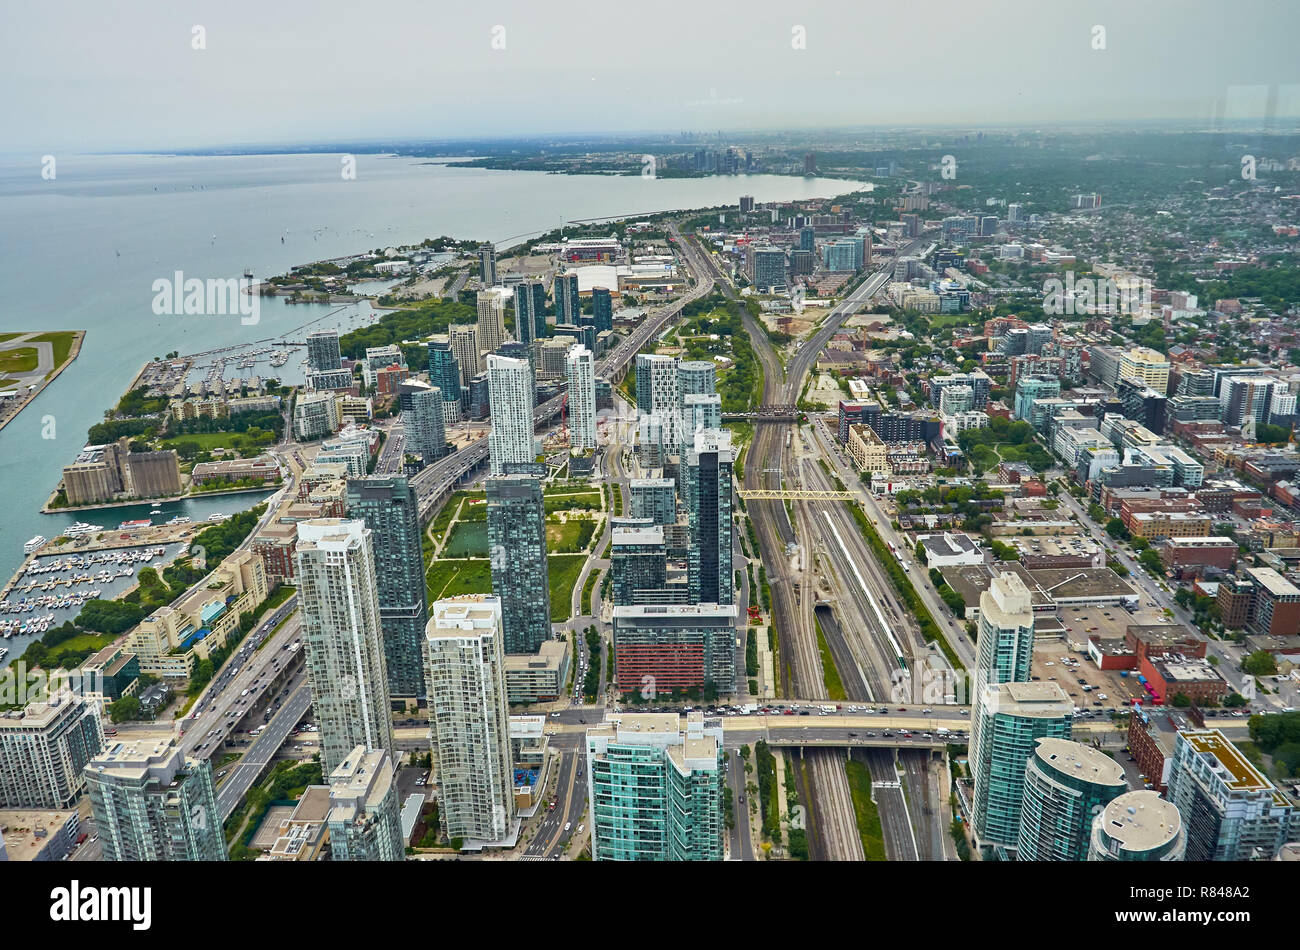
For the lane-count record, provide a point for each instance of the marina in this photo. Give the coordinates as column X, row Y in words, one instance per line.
column 52, row 589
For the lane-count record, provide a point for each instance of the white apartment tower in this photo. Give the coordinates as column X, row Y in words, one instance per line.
column 469, row 717
column 511, row 402
column 344, row 644
column 580, row 367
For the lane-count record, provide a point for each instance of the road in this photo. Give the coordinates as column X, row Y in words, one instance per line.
column 264, row 748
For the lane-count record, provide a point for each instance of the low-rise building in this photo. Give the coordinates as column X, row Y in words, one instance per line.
column 539, row 677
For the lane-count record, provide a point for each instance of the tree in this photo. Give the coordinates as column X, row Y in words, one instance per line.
column 1150, row 560
column 1259, row 663
column 1115, row 528
column 1180, row 700
column 1233, row 700
column 128, row 707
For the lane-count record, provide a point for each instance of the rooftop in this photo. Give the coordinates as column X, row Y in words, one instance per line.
column 1234, row 768
column 1141, row 821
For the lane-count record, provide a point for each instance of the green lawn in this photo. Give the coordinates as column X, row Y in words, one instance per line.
column 467, row 539
column 4, row 337
column 569, row 537
column 208, row 441
column 873, row 838
column 449, row 578
column 592, row 501
column 830, row 674
column 564, row 571
column 62, row 344
column 19, row 360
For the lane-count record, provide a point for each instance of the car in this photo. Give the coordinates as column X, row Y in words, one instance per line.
column 580, row 827
column 902, row 709
column 568, row 825
column 555, row 715
column 927, row 712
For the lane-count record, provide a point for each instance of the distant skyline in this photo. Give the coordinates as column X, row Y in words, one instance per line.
column 84, row 76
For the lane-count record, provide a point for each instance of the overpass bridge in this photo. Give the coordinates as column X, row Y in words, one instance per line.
column 765, row 414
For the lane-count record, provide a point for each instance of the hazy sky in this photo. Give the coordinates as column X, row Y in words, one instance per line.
column 90, row 74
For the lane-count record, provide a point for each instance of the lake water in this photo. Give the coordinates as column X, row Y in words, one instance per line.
column 82, row 252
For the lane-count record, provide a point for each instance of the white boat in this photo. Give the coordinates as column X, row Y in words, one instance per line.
column 179, row 519
column 80, row 528
column 35, row 544
column 3, row 653
column 218, row 517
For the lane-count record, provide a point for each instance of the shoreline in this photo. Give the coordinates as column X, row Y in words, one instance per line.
column 73, row 352
column 46, row 510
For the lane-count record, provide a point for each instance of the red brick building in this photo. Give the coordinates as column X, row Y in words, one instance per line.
column 1188, row 558
column 1196, row 679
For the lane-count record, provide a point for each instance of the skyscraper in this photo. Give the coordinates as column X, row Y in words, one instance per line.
column 1066, row 784
column 808, row 238
column 390, row 508
column 44, row 748
column 568, row 308
column 530, row 310
column 516, row 522
column 1230, row 810
column 638, row 562
column 491, row 319
column 694, row 378
column 708, row 500
column 602, row 308
column 444, row 372
column 465, row 345
column 323, row 350
column 1138, row 826
column 699, row 412
column 152, row 803
column 364, row 821
column 512, row 400
column 422, row 418
column 469, row 718
column 1006, row 630
column 487, row 264
column 656, row 394
column 580, row 368
column 1007, row 721
column 343, row 637
column 655, row 788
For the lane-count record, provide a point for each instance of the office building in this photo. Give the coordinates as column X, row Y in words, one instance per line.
column 653, row 498
column 808, row 238
column 153, row 803
column 1230, row 811
column 469, row 718
column 580, row 369
column 538, row 677
column 512, row 402
column 568, row 306
column 1008, row 720
column 491, row 323
column 444, row 373
column 1030, row 388
column 655, row 789
column 1146, row 365
column 1066, row 784
column 1138, row 826
column 708, row 501
column 364, row 820
column 464, row 342
column 669, row 647
column 1006, row 631
column 487, row 264
column 323, row 350
column 516, row 523
column 390, row 508
column 43, row 749
column 342, row 637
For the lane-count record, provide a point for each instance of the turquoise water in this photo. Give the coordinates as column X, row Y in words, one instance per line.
column 82, row 252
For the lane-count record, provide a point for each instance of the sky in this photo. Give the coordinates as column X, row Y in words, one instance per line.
column 89, row 75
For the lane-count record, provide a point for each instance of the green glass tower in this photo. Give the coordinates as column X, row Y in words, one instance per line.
column 1066, row 785
column 655, row 789
column 516, row 521
column 390, row 509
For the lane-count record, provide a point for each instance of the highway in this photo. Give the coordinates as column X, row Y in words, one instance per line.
column 264, row 748
column 434, row 480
